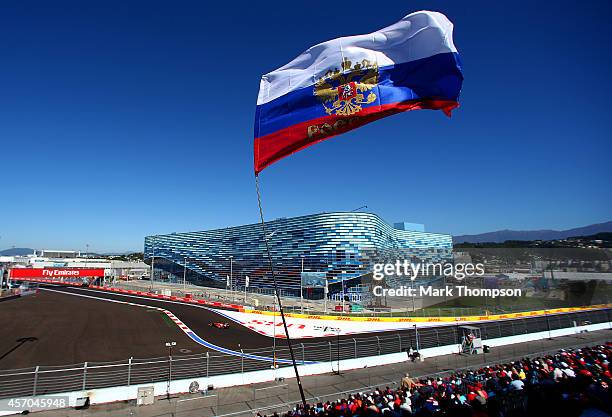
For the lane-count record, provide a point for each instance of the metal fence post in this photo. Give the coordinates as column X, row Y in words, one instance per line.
column 84, row 375
column 548, row 325
column 378, row 343
column 241, row 361
column 355, row 342
column 207, row 358
column 330, row 353
column 129, row 371
column 35, row 381
column 399, row 336
column 303, row 354
column 437, row 338
column 456, row 331
column 168, row 386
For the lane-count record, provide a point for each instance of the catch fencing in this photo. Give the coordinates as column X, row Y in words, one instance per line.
column 43, row 380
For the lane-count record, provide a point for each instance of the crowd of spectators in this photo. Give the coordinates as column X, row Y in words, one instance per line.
column 568, row 383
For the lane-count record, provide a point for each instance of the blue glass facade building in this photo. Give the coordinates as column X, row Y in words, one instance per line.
column 344, row 245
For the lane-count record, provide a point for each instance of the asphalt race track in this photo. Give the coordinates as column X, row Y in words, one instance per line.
column 56, row 329
column 196, row 317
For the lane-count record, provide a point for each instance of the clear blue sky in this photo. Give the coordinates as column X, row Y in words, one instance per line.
column 121, row 119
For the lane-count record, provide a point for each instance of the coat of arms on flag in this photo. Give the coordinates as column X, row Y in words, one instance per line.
column 342, row 90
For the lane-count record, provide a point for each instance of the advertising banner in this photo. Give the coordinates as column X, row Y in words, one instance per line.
column 56, row 272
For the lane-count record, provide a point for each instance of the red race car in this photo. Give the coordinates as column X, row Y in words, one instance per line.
column 219, row 324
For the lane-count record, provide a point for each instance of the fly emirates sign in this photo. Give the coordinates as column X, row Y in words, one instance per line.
column 56, row 272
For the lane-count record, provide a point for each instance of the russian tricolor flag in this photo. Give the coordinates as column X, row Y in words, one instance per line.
column 339, row 85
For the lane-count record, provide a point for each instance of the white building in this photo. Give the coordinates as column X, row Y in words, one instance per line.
column 112, row 268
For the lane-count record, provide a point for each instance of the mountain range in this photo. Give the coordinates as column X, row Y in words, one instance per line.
column 500, row 236
column 29, row 251
column 16, row 252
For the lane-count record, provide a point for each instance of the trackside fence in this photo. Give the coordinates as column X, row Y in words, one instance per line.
column 41, row 380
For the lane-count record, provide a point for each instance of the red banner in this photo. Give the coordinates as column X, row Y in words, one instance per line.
column 55, row 272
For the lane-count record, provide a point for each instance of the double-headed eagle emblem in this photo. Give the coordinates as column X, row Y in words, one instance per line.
column 342, row 91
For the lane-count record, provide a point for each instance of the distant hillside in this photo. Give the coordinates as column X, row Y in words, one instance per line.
column 605, row 236
column 504, row 235
column 16, row 252
column 129, row 255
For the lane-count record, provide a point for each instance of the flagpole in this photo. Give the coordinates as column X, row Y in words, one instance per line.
column 277, row 293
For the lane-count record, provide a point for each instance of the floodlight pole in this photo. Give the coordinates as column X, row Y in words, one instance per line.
column 342, row 282
column 277, row 293
column 226, row 286
column 325, row 292
column 246, row 284
column 232, row 277
column 152, row 267
column 185, row 275
column 302, row 288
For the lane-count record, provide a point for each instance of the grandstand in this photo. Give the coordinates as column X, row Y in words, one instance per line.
column 570, row 382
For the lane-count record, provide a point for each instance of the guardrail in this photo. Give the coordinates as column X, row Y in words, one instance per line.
column 90, row 375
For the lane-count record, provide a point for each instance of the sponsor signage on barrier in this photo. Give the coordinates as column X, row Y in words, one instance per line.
column 56, row 272
column 51, row 281
column 168, row 297
column 491, row 317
